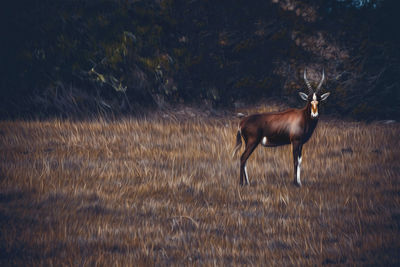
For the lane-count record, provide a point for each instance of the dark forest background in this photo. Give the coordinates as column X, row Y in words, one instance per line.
column 83, row 57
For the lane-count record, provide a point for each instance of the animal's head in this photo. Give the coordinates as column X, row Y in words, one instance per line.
column 314, row 97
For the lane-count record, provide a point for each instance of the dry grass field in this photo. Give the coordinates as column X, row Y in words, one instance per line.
column 165, row 191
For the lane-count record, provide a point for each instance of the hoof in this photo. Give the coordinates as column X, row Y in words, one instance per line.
column 297, row 184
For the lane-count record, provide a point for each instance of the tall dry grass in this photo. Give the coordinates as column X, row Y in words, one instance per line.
column 165, row 192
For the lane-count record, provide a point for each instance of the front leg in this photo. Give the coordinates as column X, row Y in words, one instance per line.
column 296, row 148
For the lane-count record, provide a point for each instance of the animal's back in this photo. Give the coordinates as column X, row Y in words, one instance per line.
column 278, row 127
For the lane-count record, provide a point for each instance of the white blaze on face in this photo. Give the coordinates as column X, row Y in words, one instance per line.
column 298, row 170
column 314, row 106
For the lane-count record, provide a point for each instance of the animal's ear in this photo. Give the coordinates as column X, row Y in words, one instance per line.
column 303, row 96
column 324, row 96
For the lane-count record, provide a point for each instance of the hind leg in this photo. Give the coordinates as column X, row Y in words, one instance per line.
column 297, row 148
column 250, row 146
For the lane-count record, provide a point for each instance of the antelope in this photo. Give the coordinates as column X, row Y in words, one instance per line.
column 292, row 126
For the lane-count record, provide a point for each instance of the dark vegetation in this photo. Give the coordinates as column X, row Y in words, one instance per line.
column 79, row 58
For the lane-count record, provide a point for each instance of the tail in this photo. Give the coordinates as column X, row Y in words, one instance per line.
column 238, row 143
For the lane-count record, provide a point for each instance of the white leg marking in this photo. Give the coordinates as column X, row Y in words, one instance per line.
column 264, row 141
column 298, row 170
column 245, row 174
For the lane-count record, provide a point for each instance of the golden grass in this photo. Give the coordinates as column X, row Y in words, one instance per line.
column 165, row 192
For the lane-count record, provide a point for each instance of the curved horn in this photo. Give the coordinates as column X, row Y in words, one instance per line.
column 310, row 90
column 321, row 82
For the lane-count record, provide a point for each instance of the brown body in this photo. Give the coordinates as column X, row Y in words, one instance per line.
column 280, row 128
column 292, row 126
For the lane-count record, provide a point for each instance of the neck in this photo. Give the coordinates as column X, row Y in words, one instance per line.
column 309, row 123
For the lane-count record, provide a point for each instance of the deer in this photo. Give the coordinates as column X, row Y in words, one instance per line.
column 289, row 127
